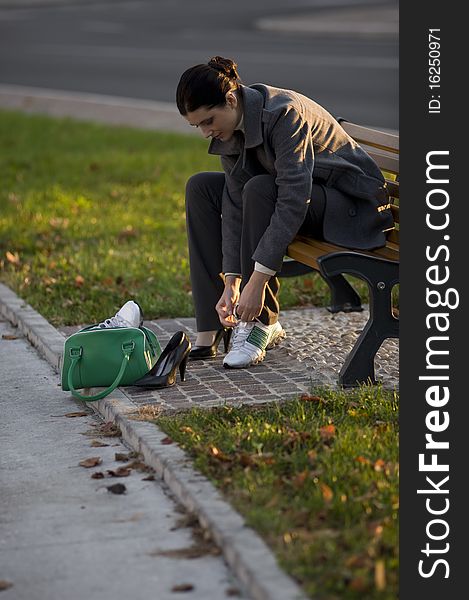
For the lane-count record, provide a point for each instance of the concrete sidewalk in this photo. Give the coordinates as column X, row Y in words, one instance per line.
column 248, row 557
column 62, row 533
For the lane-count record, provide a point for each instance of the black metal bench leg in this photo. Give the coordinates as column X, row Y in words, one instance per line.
column 359, row 366
column 381, row 275
column 343, row 296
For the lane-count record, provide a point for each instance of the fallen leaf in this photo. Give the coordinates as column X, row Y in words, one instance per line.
column 98, row 444
column 300, row 479
column 327, row 492
column 232, row 591
column 379, row 464
column 356, row 561
column 219, row 455
column 94, row 461
column 362, row 460
column 76, row 414
column 127, row 233
column 121, row 457
column 108, row 430
column 166, row 441
column 13, row 258
column 149, row 478
column 116, row 488
column 195, row 551
column 357, row 584
column 380, row 575
column 139, row 465
column 4, row 585
column 120, row 472
column 7, row 336
column 327, row 432
column 182, row 587
column 186, row 429
column 79, row 280
column 309, row 398
column 97, row 475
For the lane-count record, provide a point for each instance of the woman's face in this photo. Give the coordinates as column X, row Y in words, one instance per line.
column 218, row 122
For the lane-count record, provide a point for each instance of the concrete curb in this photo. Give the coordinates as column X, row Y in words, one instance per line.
column 132, row 112
column 246, row 554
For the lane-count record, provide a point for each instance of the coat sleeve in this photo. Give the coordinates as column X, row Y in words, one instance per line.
column 292, row 145
column 232, row 222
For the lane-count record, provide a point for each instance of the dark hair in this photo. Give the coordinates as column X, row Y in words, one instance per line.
column 207, row 85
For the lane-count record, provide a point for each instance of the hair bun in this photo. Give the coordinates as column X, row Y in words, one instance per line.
column 225, row 65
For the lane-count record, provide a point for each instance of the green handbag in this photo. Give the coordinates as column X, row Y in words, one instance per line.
column 107, row 357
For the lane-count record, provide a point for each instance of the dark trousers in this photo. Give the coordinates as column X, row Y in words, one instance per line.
column 203, row 218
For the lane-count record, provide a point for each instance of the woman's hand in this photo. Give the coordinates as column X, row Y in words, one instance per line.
column 228, row 300
column 252, row 297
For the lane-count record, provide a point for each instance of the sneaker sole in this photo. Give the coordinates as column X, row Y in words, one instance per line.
column 254, row 362
column 281, row 335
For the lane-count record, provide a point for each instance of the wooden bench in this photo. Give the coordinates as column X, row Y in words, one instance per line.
column 379, row 268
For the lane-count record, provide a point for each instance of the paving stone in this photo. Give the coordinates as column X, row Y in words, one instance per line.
column 313, row 353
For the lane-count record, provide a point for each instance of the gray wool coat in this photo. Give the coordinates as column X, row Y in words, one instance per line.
column 297, row 141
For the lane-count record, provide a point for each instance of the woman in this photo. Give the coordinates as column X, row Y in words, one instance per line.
column 288, row 166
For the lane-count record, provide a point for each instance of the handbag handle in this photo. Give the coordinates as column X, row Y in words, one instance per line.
column 75, row 356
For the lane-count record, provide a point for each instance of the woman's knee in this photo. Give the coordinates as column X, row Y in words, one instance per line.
column 260, row 187
column 203, row 187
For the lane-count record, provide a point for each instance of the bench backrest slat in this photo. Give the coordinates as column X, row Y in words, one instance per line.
column 385, row 160
column 371, row 137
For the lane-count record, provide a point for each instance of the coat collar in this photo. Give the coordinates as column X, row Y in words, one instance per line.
column 253, row 104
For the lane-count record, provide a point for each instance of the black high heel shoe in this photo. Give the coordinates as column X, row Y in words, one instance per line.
column 174, row 356
column 204, row 352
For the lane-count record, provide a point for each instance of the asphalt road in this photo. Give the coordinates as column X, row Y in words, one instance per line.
column 139, row 48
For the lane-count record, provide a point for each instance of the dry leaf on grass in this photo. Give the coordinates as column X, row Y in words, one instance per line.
column 327, row 432
column 310, row 398
column 326, row 492
column 93, row 461
column 380, row 575
column 13, row 258
column 379, row 465
column 357, row 584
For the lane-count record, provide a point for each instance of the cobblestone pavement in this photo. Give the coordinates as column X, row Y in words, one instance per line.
column 316, row 346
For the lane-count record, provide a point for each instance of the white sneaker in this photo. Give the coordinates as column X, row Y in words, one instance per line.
column 130, row 315
column 250, row 341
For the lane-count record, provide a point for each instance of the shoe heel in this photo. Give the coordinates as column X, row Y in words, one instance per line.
column 182, row 367
column 226, row 338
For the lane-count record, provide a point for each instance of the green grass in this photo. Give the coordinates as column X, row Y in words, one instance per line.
column 93, row 215
column 318, row 479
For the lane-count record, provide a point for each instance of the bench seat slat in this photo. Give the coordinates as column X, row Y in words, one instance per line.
column 307, row 250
